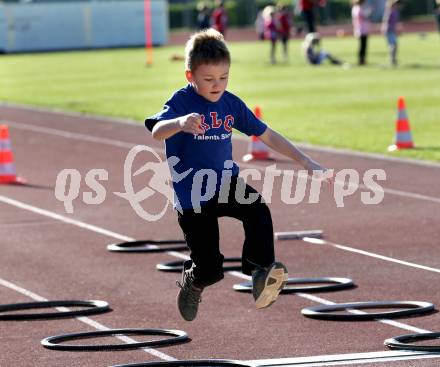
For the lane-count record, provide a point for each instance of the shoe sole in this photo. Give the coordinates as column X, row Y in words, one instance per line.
column 275, row 282
column 184, row 315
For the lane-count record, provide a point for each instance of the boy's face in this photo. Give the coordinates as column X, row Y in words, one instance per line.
column 209, row 80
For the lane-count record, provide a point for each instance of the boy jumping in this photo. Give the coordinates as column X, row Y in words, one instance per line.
column 196, row 124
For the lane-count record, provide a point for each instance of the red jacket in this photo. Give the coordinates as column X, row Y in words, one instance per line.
column 307, row 4
column 284, row 24
column 219, row 19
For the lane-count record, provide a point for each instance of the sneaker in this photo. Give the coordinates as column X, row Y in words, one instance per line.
column 268, row 283
column 189, row 296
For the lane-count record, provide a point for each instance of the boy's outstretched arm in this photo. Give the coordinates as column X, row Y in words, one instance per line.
column 189, row 123
column 283, row 146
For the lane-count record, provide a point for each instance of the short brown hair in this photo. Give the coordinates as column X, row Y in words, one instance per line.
column 206, row 47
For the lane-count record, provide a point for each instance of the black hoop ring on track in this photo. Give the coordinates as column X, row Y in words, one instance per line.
column 148, row 246
column 327, row 285
column 53, row 342
column 177, row 266
column 94, row 307
column 194, row 362
column 411, row 308
column 402, row 342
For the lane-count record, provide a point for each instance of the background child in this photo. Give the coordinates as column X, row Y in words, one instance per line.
column 259, row 25
column 313, row 53
column 360, row 13
column 285, row 24
column 219, row 17
column 203, row 16
column 307, row 8
column 196, row 124
column 271, row 30
column 389, row 27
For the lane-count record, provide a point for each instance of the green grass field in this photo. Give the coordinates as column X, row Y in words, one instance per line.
column 351, row 108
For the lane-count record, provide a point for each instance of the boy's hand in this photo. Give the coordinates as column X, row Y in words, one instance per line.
column 318, row 172
column 191, row 124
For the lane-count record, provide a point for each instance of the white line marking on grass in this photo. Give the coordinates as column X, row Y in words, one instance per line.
column 318, row 241
column 84, row 319
column 123, row 144
column 173, row 253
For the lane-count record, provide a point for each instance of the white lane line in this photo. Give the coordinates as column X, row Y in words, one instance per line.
column 23, row 291
column 396, row 324
column 77, row 223
column 125, row 238
column 318, row 148
column 84, row 319
column 318, row 241
column 408, row 194
column 372, row 156
column 64, row 219
column 74, row 136
column 123, row 144
column 80, row 115
column 89, row 227
column 323, row 301
column 345, row 359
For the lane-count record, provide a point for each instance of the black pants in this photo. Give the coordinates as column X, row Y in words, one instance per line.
column 363, row 40
column 309, row 18
column 201, row 233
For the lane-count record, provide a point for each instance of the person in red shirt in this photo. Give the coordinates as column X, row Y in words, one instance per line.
column 284, row 25
column 219, row 17
column 307, row 8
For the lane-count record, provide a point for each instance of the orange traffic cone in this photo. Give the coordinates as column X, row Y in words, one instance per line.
column 403, row 131
column 7, row 167
column 258, row 151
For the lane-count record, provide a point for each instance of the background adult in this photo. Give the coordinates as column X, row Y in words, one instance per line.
column 307, row 8
column 360, row 13
column 284, row 22
column 437, row 13
column 203, row 16
column 219, row 17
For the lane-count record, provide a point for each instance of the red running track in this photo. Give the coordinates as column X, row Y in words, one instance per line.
column 391, row 253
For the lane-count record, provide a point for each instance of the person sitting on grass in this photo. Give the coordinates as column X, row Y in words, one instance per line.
column 313, row 53
column 196, row 124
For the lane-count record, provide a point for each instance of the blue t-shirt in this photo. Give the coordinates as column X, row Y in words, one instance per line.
column 209, row 153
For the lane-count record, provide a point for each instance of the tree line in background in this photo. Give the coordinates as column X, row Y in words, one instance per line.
column 242, row 13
